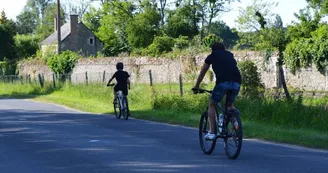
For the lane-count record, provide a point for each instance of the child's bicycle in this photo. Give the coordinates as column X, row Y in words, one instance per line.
column 230, row 129
column 121, row 107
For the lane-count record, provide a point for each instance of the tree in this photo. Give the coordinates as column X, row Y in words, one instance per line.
column 144, row 26
column 26, row 22
column 274, row 39
column 211, row 9
column 182, row 21
column 38, row 7
column 92, row 19
column 46, row 27
column 7, row 32
column 26, row 45
column 229, row 36
column 162, row 10
column 309, row 43
column 247, row 19
column 321, row 5
column 113, row 24
column 78, row 7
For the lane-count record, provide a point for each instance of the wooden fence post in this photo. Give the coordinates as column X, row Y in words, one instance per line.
column 104, row 76
column 29, row 78
column 150, row 78
column 54, row 80
column 181, row 85
column 86, row 77
column 40, row 80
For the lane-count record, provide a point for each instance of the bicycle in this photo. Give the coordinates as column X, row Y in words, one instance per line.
column 230, row 129
column 121, row 107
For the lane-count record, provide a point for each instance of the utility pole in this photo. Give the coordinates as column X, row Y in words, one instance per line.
column 58, row 27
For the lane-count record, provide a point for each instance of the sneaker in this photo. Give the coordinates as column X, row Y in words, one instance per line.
column 210, row 136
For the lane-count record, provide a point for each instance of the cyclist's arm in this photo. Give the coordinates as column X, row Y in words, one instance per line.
column 110, row 80
column 202, row 74
column 128, row 82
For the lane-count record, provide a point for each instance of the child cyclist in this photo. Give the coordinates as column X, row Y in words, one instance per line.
column 122, row 79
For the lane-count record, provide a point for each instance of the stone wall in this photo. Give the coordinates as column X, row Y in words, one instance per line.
column 166, row 70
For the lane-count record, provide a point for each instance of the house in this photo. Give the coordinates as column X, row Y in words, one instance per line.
column 76, row 37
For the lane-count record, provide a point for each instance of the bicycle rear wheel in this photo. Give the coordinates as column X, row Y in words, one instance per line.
column 124, row 110
column 204, row 127
column 234, row 136
column 117, row 109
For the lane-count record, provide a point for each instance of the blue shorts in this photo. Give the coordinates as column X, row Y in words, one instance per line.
column 219, row 89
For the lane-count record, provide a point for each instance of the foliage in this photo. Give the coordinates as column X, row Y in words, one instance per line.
column 92, row 18
column 144, row 26
column 251, row 79
column 249, row 26
column 209, row 40
column 181, row 43
column 7, row 32
column 182, row 21
column 248, row 21
column 46, row 25
column 8, row 68
column 113, row 24
column 309, row 42
column 26, row 22
column 26, row 45
column 160, row 45
column 63, row 63
column 229, row 36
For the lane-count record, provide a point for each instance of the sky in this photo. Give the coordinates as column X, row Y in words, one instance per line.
column 285, row 8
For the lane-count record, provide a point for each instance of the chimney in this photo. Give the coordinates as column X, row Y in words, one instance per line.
column 73, row 23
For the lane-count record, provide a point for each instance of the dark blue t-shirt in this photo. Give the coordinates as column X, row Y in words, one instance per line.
column 224, row 66
column 121, row 78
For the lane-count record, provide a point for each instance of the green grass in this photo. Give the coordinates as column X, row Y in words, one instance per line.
column 302, row 121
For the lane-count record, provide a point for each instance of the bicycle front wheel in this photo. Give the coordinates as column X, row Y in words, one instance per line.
column 117, row 109
column 204, row 127
column 234, row 136
column 124, row 110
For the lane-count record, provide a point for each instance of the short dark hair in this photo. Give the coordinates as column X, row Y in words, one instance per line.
column 119, row 66
column 218, row 46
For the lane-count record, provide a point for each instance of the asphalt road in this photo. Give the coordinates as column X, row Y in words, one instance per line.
column 45, row 138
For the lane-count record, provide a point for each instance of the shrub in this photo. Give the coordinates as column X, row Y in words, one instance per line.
column 182, row 42
column 26, row 45
column 160, row 45
column 63, row 63
column 251, row 80
column 8, row 68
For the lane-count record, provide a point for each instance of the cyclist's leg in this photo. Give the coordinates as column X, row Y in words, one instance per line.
column 115, row 91
column 125, row 92
column 232, row 98
column 217, row 95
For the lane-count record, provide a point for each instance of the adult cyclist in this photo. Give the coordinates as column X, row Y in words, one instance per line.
column 227, row 77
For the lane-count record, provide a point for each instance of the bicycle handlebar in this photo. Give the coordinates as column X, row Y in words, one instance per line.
column 200, row 91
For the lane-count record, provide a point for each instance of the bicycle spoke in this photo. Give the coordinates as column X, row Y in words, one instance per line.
column 231, row 145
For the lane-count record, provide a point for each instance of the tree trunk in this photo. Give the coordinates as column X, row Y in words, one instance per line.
column 283, row 82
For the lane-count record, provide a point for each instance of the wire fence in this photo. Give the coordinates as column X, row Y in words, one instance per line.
column 172, row 83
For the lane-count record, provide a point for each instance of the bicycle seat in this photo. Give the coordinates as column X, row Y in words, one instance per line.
column 230, row 91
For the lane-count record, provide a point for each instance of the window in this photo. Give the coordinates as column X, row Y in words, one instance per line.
column 91, row 41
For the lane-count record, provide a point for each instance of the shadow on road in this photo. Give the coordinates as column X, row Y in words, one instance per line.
column 60, row 140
